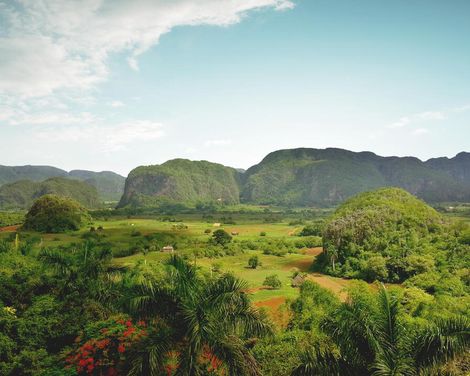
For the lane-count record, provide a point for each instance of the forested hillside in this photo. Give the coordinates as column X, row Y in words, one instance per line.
column 181, row 180
column 327, row 177
column 22, row 194
column 110, row 185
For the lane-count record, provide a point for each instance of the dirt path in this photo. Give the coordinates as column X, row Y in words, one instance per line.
column 336, row 285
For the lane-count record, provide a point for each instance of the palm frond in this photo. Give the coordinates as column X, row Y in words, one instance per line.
column 314, row 362
column 441, row 342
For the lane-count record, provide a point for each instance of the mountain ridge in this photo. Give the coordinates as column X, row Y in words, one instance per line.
column 315, row 177
column 109, row 184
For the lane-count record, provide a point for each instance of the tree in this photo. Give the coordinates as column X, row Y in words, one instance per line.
column 253, row 262
column 54, row 214
column 373, row 339
column 273, row 282
column 314, row 229
column 207, row 319
column 221, row 237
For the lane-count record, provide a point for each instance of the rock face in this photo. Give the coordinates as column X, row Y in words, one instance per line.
column 110, row 185
column 22, row 194
column 181, row 180
column 329, row 176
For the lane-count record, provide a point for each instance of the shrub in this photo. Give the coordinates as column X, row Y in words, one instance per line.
column 253, row 262
column 273, row 282
column 55, row 214
column 314, row 229
column 262, row 233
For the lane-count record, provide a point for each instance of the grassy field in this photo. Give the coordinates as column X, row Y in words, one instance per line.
column 190, row 231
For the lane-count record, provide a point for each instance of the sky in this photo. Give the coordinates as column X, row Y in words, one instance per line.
column 114, row 84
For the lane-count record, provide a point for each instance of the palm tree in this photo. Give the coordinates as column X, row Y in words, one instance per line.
column 203, row 316
column 375, row 341
column 83, row 268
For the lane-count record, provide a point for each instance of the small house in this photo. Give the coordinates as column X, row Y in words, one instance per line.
column 168, row 249
column 216, row 225
column 298, row 280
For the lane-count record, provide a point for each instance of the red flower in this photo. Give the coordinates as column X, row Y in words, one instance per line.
column 121, row 349
column 128, row 323
column 82, row 363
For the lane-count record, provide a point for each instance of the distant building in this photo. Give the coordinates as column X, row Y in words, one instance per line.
column 216, row 225
column 298, row 280
column 168, row 248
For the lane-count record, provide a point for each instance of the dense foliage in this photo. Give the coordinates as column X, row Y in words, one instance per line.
column 181, row 180
column 70, row 305
column 54, row 214
column 11, row 218
column 325, row 177
column 21, row 194
column 389, row 235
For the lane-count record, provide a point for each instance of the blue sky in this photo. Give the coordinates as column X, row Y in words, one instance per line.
column 111, row 85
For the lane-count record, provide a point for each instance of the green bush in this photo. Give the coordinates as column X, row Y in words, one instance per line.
column 253, row 262
column 273, row 282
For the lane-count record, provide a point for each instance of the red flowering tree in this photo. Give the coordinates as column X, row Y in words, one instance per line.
column 102, row 347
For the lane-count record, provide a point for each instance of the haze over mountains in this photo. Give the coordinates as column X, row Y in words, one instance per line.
column 297, row 177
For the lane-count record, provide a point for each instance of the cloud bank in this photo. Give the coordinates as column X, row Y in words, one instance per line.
column 51, row 45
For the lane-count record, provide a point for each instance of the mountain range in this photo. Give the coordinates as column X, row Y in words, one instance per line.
column 292, row 177
column 108, row 184
column 300, row 177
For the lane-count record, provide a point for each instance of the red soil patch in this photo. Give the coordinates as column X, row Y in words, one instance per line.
column 9, row 228
column 314, row 251
column 272, row 304
column 275, row 310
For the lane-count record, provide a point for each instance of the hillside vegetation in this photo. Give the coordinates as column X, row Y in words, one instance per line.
column 181, row 180
column 110, row 185
column 54, row 214
column 22, row 194
column 327, row 177
column 392, row 236
column 299, row 177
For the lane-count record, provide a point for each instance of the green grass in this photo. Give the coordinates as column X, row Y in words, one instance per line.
column 238, row 265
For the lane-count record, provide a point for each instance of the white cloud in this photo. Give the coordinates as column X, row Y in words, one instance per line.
column 209, row 143
column 53, row 45
column 107, row 138
column 420, row 131
column 418, row 117
column 116, row 104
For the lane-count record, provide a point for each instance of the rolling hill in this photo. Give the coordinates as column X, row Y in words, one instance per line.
column 110, row 185
column 22, row 194
column 181, row 180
